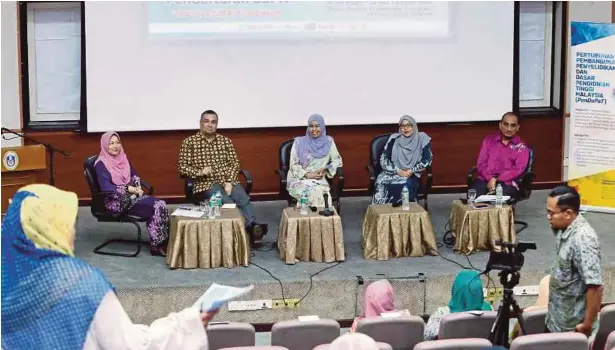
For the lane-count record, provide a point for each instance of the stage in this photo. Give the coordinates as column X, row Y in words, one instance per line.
column 148, row 289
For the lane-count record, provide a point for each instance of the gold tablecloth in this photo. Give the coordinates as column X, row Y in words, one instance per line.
column 205, row 243
column 478, row 229
column 394, row 232
column 310, row 237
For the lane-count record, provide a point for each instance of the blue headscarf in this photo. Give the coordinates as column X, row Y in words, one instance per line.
column 467, row 293
column 48, row 298
column 309, row 148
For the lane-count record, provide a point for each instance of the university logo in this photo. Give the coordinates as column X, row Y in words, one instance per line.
column 10, row 160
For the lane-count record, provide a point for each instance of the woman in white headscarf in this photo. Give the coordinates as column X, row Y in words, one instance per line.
column 354, row 341
column 406, row 154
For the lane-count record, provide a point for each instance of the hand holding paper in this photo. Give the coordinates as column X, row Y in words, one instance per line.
column 218, row 295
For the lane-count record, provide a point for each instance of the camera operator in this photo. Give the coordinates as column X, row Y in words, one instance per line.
column 575, row 288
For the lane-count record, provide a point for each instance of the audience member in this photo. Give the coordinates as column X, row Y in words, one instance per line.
column 122, row 185
column 541, row 302
column 312, row 158
column 405, row 155
column 210, row 159
column 466, row 295
column 354, row 341
column 503, row 158
column 379, row 298
column 575, row 287
column 52, row 300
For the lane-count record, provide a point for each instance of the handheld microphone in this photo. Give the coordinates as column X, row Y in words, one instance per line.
column 327, row 211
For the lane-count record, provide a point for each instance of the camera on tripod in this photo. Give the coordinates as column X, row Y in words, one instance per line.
column 510, row 258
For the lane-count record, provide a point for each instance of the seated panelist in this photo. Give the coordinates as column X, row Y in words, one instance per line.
column 503, row 158
column 210, row 159
column 116, row 176
column 405, row 155
column 312, row 158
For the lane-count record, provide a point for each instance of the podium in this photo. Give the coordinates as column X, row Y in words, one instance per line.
column 20, row 166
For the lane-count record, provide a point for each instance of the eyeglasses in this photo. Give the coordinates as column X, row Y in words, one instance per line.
column 553, row 213
column 405, row 126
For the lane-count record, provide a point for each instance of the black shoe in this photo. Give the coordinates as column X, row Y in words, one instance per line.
column 257, row 231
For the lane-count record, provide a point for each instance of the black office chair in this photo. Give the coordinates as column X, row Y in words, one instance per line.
column 525, row 186
column 336, row 183
column 103, row 215
column 189, row 185
column 375, row 151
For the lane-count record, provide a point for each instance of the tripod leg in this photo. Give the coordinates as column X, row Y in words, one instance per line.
column 518, row 312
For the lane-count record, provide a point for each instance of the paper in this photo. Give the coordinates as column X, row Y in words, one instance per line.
column 490, row 198
column 229, row 206
column 218, row 295
column 393, row 314
column 309, row 318
column 188, row 213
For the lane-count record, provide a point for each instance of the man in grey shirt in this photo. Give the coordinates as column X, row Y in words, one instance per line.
column 575, row 288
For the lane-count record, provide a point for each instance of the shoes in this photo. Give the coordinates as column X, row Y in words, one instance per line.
column 257, row 231
column 158, row 251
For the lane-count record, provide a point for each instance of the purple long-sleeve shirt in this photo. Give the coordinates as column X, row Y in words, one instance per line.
column 507, row 162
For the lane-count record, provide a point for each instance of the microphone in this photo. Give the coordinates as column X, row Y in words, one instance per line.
column 327, row 211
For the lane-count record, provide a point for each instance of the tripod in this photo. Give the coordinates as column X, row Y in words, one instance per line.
column 499, row 331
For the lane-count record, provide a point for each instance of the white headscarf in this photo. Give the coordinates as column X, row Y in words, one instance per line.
column 354, row 341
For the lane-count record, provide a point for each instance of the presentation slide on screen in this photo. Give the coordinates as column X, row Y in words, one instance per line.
column 258, row 19
column 159, row 65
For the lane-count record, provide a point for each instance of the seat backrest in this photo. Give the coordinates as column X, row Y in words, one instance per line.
column 454, row 344
column 551, row 341
column 606, row 325
column 225, row 335
column 284, row 156
column 400, row 332
column 375, row 151
column 380, row 345
column 98, row 205
column 610, row 341
column 467, row 325
column 525, row 182
column 534, row 320
column 304, row 335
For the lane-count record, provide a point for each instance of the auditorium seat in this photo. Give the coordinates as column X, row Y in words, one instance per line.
column 454, row 344
column 376, row 148
column 400, row 332
column 524, row 183
column 551, row 341
column 97, row 207
column 225, row 335
column 304, row 335
column 336, row 183
column 610, row 341
column 467, row 325
column 534, row 320
column 606, row 325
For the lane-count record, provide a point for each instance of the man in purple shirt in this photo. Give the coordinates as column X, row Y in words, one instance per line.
column 503, row 158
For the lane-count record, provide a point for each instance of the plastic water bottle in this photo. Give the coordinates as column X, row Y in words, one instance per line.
column 303, row 203
column 218, row 203
column 498, row 196
column 211, row 214
column 405, row 199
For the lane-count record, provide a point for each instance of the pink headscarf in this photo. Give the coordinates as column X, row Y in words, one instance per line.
column 379, row 298
column 118, row 165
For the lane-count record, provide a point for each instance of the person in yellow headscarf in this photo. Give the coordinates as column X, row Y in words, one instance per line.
column 52, row 300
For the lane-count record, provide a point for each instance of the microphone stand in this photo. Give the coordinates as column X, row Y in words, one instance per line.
column 50, row 150
column 327, row 211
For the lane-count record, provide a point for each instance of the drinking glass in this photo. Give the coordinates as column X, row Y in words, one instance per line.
column 471, row 197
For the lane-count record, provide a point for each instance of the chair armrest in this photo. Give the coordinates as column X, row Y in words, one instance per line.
column 188, row 185
column 427, row 175
column 525, row 185
column 372, row 172
column 340, row 182
column 471, row 176
column 248, row 178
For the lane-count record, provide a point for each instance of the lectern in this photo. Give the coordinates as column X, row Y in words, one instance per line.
column 20, row 166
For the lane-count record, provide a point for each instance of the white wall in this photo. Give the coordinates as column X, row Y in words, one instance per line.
column 11, row 109
column 587, row 11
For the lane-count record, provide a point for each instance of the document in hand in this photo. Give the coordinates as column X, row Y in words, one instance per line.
column 218, row 295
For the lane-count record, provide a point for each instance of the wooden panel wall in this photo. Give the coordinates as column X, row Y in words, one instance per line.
column 154, row 154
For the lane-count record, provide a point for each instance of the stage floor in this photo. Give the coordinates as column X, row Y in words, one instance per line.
column 149, row 289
